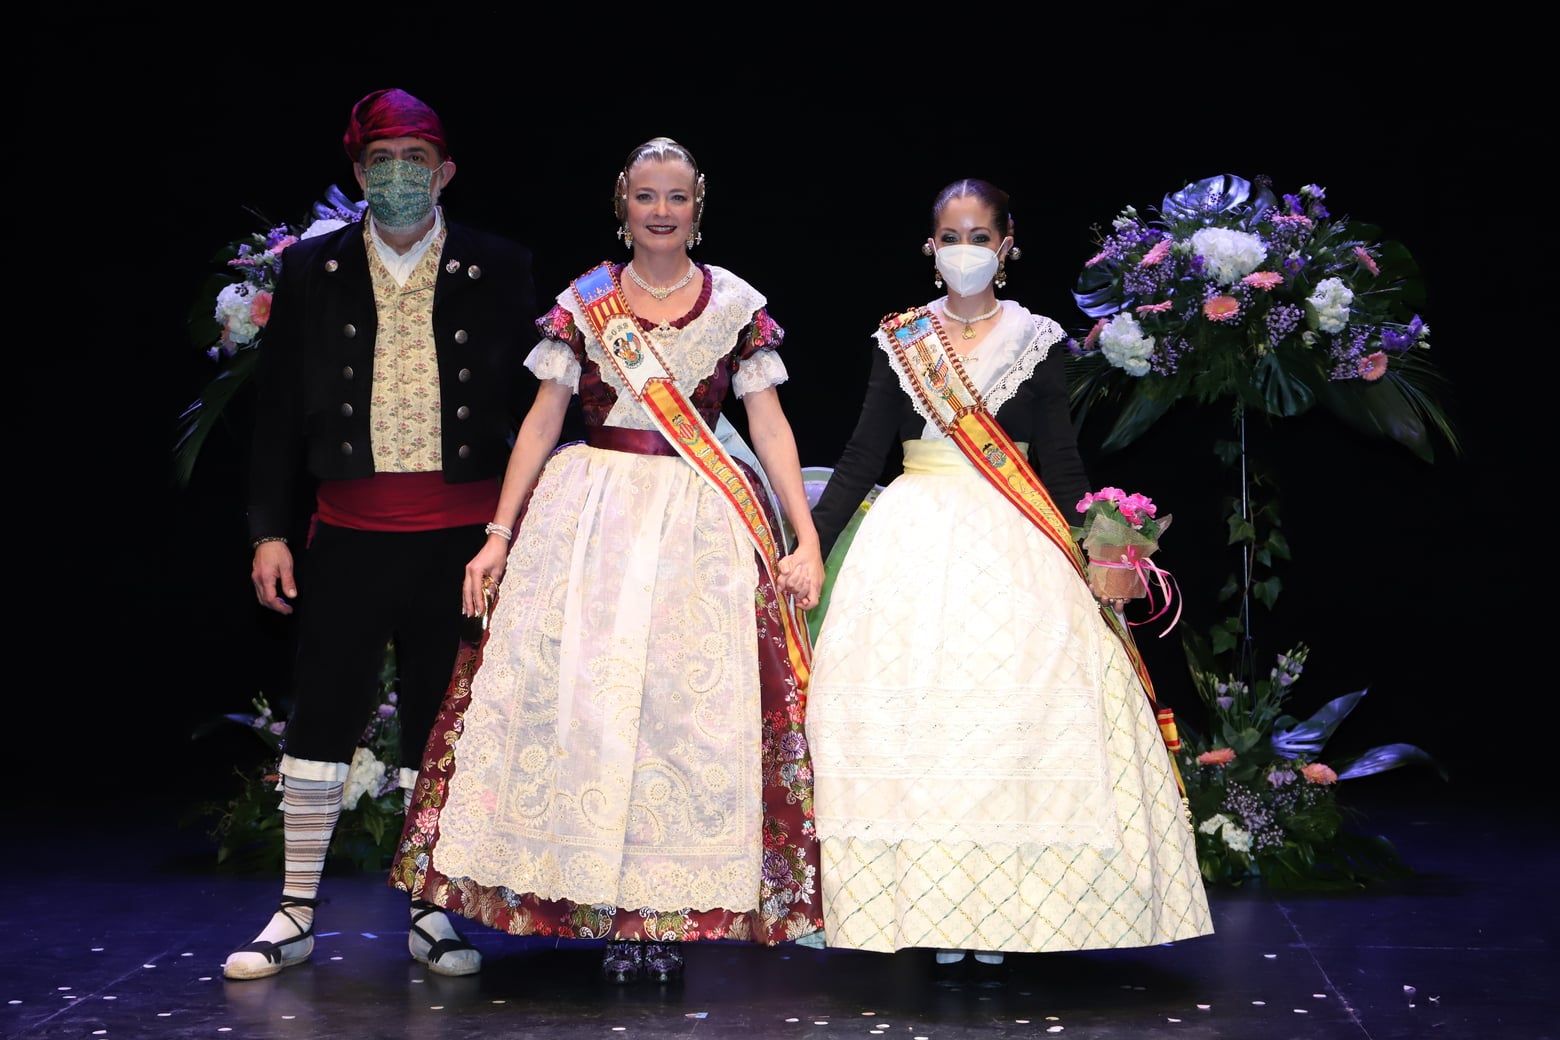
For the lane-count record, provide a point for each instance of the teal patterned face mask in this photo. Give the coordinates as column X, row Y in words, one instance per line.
column 399, row 193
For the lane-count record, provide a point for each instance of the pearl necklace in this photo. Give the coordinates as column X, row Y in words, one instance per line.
column 658, row 292
column 969, row 323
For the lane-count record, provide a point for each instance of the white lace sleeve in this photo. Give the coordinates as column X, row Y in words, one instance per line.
column 553, row 359
column 759, row 371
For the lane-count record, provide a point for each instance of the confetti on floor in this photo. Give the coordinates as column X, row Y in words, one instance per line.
column 186, row 955
column 1021, row 1021
column 868, row 1014
column 1319, row 996
column 204, row 978
column 110, row 998
column 368, row 935
column 336, row 958
column 1301, row 1011
column 435, row 1007
column 1259, row 1003
column 500, row 1001
column 793, row 1020
column 13, row 1002
column 1410, row 990
column 1204, row 1007
column 97, row 949
column 1172, row 1020
column 148, row 965
column 288, row 1018
column 165, row 1014
column 1271, row 956
column 697, row 1014
column 1054, row 1029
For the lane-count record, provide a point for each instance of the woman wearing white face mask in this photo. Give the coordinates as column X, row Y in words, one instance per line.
column 989, row 770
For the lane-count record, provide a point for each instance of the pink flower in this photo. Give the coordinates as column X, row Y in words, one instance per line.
column 1366, row 260
column 1093, row 337
column 427, row 819
column 1221, row 308
column 1373, row 366
column 1084, row 503
column 1155, row 308
column 1156, row 256
column 1139, row 504
column 1317, row 773
column 1264, row 280
column 260, row 308
column 1293, row 219
column 283, row 244
column 1217, row 757
column 1096, row 258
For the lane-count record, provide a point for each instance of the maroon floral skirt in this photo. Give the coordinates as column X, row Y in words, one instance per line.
column 789, row 899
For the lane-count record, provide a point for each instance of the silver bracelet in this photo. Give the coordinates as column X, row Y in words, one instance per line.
column 506, row 533
column 258, row 542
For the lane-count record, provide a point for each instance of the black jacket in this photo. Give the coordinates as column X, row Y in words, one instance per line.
column 1037, row 414
column 315, row 370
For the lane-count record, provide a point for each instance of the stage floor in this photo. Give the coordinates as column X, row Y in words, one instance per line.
column 121, row 931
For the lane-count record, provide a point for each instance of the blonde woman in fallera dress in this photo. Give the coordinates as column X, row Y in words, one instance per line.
column 989, row 773
column 624, row 758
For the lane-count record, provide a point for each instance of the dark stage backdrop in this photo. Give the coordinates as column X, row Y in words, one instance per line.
column 148, row 160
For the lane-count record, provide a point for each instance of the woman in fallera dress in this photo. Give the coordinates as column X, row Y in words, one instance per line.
column 990, row 772
column 624, row 757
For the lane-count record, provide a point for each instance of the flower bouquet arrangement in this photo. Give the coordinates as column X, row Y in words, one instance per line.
column 248, row 827
column 1263, row 800
column 1234, row 292
column 230, row 314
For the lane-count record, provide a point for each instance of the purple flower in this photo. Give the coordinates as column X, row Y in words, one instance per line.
column 1294, row 204
column 1280, row 777
column 793, row 745
column 777, row 869
column 1224, row 703
column 1315, row 191
column 1283, row 319
column 275, row 235
column 1198, row 264
column 386, row 710
column 277, row 727
column 1318, row 211
column 1073, row 347
column 1294, row 263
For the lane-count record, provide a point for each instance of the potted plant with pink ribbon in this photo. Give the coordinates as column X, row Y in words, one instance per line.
column 1120, row 532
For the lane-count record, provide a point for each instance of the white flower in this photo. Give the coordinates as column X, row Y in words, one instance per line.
column 1237, row 839
column 1124, row 345
column 323, row 226
column 1212, row 824
column 1328, row 307
column 234, row 313
column 365, row 775
column 1229, row 255
column 1424, row 331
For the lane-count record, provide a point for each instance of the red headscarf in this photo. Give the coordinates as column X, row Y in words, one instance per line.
column 391, row 113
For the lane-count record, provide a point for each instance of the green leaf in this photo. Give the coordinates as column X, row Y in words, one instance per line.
column 1227, row 451
column 1143, row 407
column 1278, row 545
column 1223, row 640
column 1267, row 591
column 1264, row 557
column 201, row 417
column 1396, row 407
column 1283, row 393
column 1245, row 740
column 1241, row 530
column 1230, row 589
